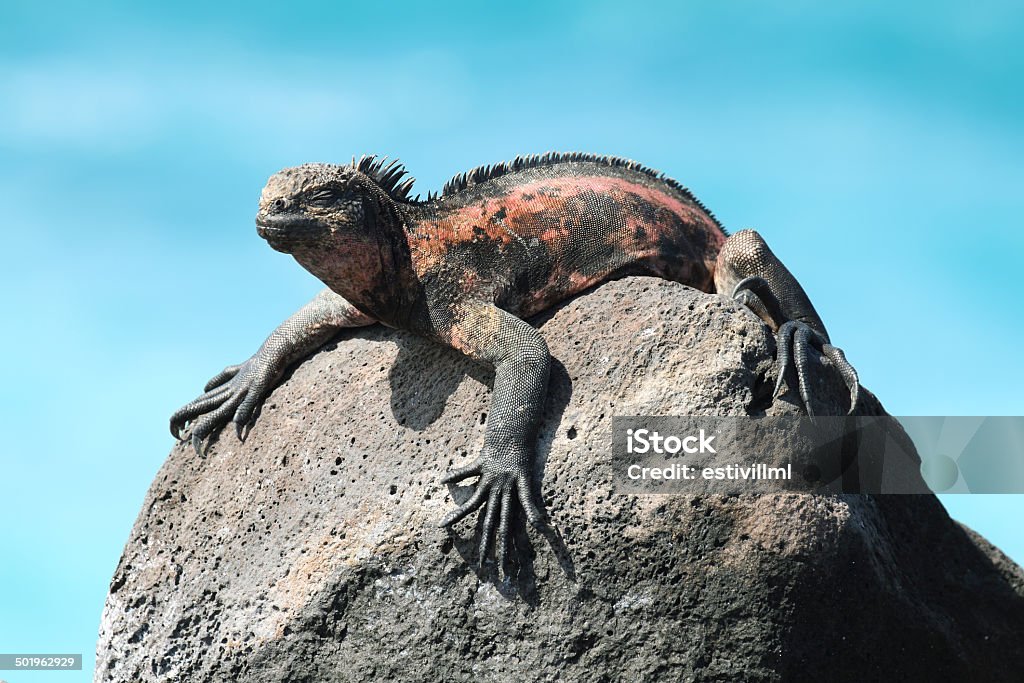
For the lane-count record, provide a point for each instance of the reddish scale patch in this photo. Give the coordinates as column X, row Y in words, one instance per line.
column 533, row 212
column 352, row 269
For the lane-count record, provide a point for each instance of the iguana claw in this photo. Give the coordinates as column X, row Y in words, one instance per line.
column 494, row 492
column 849, row 374
column 795, row 338
column 232, row 395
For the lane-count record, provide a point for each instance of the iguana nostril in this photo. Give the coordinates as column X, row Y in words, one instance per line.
column 280, row 204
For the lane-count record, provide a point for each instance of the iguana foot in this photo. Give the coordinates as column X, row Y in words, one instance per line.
column 501, row 481
column 756, row 294
column 231, row 396
column 795, row 339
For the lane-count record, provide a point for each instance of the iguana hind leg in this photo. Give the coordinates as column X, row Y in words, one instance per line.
column 749, row 271
column 517, row 352
column 236, row 392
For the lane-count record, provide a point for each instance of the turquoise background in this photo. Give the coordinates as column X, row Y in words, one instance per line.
column 877, row 147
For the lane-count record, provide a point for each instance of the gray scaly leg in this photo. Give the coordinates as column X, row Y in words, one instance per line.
column 755, row 277
column 236, row 392
column 520, row 359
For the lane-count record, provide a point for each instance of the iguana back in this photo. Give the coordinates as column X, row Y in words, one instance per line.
column 529, row 234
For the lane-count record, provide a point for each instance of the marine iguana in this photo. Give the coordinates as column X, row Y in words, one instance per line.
column 466, row 267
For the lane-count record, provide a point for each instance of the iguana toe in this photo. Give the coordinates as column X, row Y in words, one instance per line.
column 473, row 469
column 533, row 513
column 211, row 421
column 474, row 502
column 756, row 294
column 801, row 362
column 187, row 413
column 490, row 517
column 222, row 377
column 795, row 340
column 849, row 374
column 503, row 526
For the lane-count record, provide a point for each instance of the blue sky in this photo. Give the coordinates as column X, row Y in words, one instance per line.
column 877, row 148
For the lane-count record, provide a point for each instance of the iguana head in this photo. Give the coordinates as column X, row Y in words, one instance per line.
column 319, row 203
column 340, row 222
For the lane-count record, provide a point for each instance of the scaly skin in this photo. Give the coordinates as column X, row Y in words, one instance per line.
column 464, row 268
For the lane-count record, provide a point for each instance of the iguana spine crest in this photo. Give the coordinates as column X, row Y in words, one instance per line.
column 389, row 175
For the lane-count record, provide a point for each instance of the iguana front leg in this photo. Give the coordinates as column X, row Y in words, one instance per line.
column 749, row 271
column 520, row 359
column 236, row 392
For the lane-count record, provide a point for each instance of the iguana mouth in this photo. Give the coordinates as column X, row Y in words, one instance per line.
column 286, row 226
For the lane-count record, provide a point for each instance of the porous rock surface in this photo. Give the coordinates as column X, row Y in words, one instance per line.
column 311, row 552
